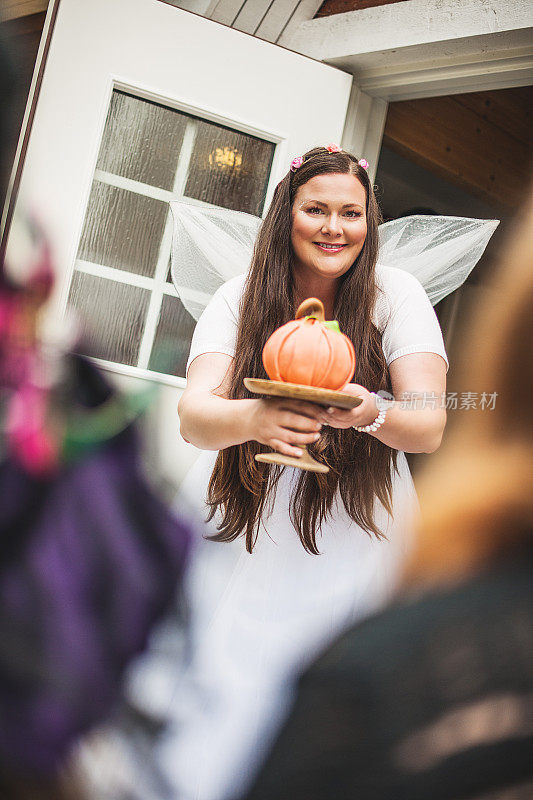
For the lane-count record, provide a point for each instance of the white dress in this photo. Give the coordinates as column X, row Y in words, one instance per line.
column 259, row 618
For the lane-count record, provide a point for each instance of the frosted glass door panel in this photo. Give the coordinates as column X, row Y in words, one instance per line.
column 141, row 141
column 114, row 314
column 229, row 169
column 150, row 154
column 122, row 229
column 172, row 340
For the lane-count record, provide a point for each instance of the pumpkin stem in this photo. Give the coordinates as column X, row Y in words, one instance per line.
column 312, row 307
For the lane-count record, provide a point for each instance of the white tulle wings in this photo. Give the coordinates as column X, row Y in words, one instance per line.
column 212, row 245
column 440, row 251
column 209, row 246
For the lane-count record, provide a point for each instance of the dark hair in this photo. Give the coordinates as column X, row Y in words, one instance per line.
column 360, row 465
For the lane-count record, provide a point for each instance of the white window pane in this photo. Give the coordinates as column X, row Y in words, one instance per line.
column 229, row 169
column 172, row 339
column 113, row 314
column 142, row 141
column 122, row 229
column 162, row 150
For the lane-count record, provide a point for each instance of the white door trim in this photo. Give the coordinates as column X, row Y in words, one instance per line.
column 364, row 126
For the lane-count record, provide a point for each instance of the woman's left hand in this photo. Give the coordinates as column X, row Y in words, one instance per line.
column 363, row 414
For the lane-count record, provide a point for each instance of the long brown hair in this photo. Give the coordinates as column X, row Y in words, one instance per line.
column 477, row 495
column 360, row 465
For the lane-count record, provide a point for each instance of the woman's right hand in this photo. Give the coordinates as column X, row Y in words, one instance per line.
column 210, row 421
column 284, row 425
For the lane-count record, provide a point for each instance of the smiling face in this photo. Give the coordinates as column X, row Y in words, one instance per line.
column 328, row 226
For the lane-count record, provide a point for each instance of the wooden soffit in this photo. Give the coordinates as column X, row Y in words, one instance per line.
column 14, row 9
column 481, row 141
column 330, row 7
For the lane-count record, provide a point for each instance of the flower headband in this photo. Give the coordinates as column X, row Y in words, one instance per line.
column 297, row 162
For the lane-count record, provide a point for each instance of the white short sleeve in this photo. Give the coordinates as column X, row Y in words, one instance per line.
column 216, row 330
column 405, row 316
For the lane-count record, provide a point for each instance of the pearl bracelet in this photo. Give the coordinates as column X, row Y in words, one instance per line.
column 378, row 422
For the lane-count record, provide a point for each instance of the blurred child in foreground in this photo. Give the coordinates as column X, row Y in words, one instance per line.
column 89, row 555
column 433, row 698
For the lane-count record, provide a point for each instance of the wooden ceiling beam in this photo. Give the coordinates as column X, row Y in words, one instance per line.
column 14, row 9
column 450, row 138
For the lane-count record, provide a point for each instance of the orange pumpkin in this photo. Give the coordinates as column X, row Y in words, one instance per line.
column 310, row 351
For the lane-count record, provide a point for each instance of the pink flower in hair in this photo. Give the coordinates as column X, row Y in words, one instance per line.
column 296, row 163
column 333, row 148
column 363, row 163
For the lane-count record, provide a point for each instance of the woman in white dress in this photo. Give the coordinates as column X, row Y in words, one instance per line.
column 310, row 553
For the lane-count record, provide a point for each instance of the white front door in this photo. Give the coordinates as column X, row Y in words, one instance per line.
column 142, row 102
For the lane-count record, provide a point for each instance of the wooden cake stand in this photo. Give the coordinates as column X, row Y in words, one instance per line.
column 297, row 391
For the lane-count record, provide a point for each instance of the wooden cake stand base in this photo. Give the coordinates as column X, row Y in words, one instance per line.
column 297, row 391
